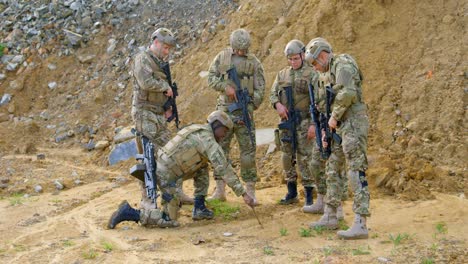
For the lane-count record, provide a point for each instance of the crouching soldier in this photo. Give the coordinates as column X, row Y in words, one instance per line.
column 184, row 157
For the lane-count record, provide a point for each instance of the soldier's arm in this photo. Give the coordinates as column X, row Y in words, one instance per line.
column 146, row 78
column 221, row 166
column 259, row 84
column 345, row 89
column 215, row 78
column 274, row 92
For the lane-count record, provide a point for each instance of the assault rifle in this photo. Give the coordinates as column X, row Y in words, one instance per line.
column 330, row 133
column 145, row 170
column 291, row 124
column 243, row 100
column 171, row 101
column 315, row 114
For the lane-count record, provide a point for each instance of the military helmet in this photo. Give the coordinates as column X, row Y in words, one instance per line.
column 294, row 47
column 222, row 117
column 240, row 39
column 316, row 46
column 164, row 35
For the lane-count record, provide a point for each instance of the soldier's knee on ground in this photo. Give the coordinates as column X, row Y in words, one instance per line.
column 156, row 217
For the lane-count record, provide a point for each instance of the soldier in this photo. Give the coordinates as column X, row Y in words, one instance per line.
column 349, row 118
column 250, row 73
column 318, row 162
column 184, row 157
column 150, row 92
column 297, row 76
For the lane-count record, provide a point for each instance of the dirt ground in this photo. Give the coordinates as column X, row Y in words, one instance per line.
column 414, row 60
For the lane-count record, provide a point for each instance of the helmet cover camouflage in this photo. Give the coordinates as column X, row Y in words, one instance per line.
column 316, row 46
column 240, row 39
column 164, row 35
column 222, row 117
column 294, row 47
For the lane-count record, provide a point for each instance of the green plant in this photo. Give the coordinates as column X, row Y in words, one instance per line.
column 398, row 239
column 55, row 201
column 305, row 232
column 223, row 209
column 360, row 251
column 342, row 225
column 427, row 261
column 441, row 228
column 283, row 231
column 19, row 247
column 108, row 247
column 90, row 254
column 374, row 235
column 68, row 243
column 434, row 246
column 319, row 229
column 2, row 47
column 16, row 199
column 327, row 251
column 267, row 250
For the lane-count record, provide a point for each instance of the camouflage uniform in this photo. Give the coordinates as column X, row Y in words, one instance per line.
column 250, row 73
column 299, row 80
column 184, row 157
column 349, row 109
column 318, row 164
column 149, row 86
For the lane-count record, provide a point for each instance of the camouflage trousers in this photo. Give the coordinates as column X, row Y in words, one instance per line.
column 303, row 155
column 353, row 151
column 154, row 127
column 317, row 168
column 247, row 151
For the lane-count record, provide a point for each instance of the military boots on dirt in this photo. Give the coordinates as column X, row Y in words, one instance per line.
column 291, row 196
column 220, row 192
column 316, row 208
column 328, row 219
column 124, row 213
column 357, row 231
column 200, row 211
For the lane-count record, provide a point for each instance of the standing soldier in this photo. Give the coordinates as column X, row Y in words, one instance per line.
column 295, row 79
column 250, row 73
column 349, row 118
column 150, row 91
column 184, row 157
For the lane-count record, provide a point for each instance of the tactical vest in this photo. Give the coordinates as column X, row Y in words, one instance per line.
column 149, row 100
column 245, row 71
column 299, row 80
column 180, row 156
column 359, row 107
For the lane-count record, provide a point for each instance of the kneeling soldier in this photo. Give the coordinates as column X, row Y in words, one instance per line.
column 184, row 157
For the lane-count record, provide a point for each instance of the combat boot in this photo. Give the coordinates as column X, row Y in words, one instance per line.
column 357, row 231
column 316, row 208
column 199, row 210
column 291, row 196
column 250, row 190
column 184, row 198
column 220, row 192
column 339, row 212
column 124, row 213
column 328, row 219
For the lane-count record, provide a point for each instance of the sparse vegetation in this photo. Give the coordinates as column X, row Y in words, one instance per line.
column 360, row 251
column 327, row 251
column 267, row 250
column 223, row 209
column 68, row 243
column 428, row 261
column 319, row 229
column 19, row 247
column 283, row 231
column 441, row 228
column 398, row 239
column 90, row 254
column 108, row 247
column 305, row 232
column 342, row 225
column 16, row 199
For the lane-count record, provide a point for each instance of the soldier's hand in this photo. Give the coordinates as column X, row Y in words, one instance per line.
column 231, row 93
column 169, row 93
column 324, row 141
column 248, row 200
column 311, row 133
column 168, row 113
column 332, row 123
column 281, row 110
